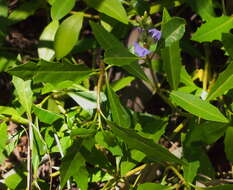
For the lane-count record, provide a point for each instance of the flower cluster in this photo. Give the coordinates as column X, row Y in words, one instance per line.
column 141, row 51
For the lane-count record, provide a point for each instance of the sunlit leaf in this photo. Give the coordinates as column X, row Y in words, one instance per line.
column 228, row 143
column 46, row 116
column 223, row 83
column 24, row 92
column 112, row 8
column 51, row 72
column 154, row 186
column 213, row 29
column 154, row 151
column 173, row 30
column 67, row 35
column 172, row 63
column 45, row 50
column 60, row 8
column 119, row 113
column 197, row 107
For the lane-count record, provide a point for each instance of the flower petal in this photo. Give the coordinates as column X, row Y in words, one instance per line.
column 140, row 51
column 156, row 34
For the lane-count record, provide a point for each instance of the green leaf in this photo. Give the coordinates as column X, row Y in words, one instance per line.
column 3, row 8
column 15, row 116
column 150, row 126
column 227, row 40
column 197, row 107
column 82, row 178
column 220, row 187
column 126, row 166
column 71, row 163
column 87, row 99
column 173, row 30
column 51, row 72
column 185, row 78
column 13, row 180
column 204, row 8
column 112, row 8
column 223, row 83
column 151, row 149
column 190, row 171
column 120, row 57
column 45, row 115
column 119, row 113
column 121, row 83
column 4, row 136
column 228, row 141
column 24, row 11
column 208, row 132
column 109, row 141
column 153, row 186
column 109, row 43
column 82, row 132
column 45, row 50
column 213, row 29
column 172, row 64
column 60, row 8
column 39, row 142
column 24, row 93
column 67, row 35
column 116, row 53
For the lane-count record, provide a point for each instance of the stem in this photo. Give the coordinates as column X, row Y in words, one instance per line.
column 62, row 155
column 207, row 68
column 135, row 170
column 177, row 174
column 224, row 7
column 29, row 154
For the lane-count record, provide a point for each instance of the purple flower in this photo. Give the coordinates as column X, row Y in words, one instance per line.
column 156, row 34
column 140, row 51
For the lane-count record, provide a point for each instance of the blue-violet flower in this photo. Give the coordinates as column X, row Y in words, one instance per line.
column 140, row 51
column 156, row 34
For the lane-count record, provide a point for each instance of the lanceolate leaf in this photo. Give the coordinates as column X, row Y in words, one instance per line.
column 213, row 29
column 110, row 43
column 197, row 107
column 46, row 116
column 119, row 114
column 15, row 116
column 24, row 92
column 45, row 50
column 51, row 72
column 67, row 35
column 4, row 136
column 119, row 57
column 71, row 163
column 173, row 30
column 172, row 63
column 227, row 40
column 223, row 83
column 228, row 141
column 204, row 8
column 60, row 8
column 152, row 150
column 153, row 186
column 219, row 187
column 112, row 8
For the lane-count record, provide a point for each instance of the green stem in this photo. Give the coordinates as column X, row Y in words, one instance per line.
column 29, row 154
column 224, row 7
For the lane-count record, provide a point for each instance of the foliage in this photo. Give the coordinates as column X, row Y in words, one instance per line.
column 171, row 105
